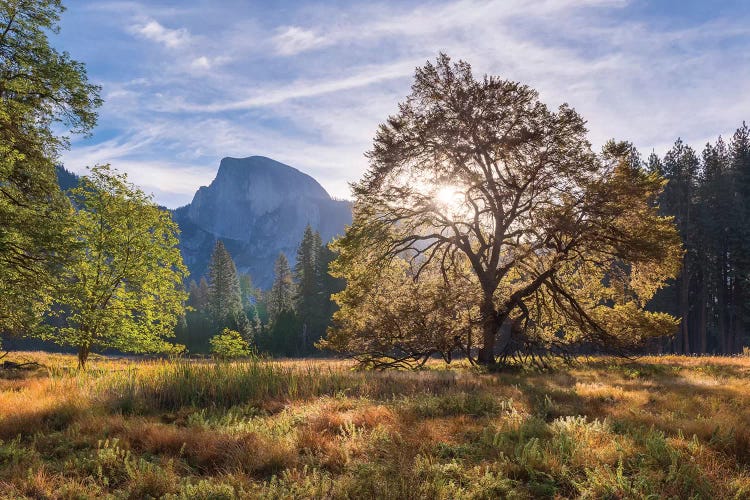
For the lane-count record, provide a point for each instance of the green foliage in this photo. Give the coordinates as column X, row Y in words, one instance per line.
column 42, row 91
column 401, row 321
column 123, row 286
column 283, row 336
column 229, row 344
column 226, row 300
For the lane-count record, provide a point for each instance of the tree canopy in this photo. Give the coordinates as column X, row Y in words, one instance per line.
column 42, row 92
column 478, row 181
column 123, row 285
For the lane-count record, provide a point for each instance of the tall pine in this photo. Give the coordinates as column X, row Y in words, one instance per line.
column 224, row 296
column 309, row 291
column 281, row 296
column 681, row 168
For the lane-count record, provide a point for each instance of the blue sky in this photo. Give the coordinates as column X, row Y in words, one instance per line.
column 186, row 83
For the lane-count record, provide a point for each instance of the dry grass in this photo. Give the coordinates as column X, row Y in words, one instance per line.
column 663, row 427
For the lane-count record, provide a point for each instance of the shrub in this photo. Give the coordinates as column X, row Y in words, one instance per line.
column 229, row 344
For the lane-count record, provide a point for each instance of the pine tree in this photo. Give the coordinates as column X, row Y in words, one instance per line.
column 204, row 292
column 681, row 168
column 224, row 298
column 281, row 297
column 250, row 298
column 307, row 300
column 198, row 325
column 739, row 318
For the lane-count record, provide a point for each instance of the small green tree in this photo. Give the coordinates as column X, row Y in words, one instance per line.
column 123, row 288
column 229, row 344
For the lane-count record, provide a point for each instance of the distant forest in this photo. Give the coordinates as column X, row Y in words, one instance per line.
column 708, row 194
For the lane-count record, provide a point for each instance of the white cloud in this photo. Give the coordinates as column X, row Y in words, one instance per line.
column 152, row 30
column 292, row 40
column 202, row 64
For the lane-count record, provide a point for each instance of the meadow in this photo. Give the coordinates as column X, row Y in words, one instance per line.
column 655, row 427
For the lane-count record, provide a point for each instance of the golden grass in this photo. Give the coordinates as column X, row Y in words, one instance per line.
column 665, row 427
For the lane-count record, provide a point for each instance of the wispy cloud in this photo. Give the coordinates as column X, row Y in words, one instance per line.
column 305, row 89
column 309, row 83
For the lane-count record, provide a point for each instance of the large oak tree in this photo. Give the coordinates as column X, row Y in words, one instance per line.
column 477, row 178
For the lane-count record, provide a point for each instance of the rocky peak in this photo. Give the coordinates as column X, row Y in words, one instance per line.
column 259, row 207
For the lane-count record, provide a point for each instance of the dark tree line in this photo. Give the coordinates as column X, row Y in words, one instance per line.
column 299, row 303
column 708, row 194
column 286, row 320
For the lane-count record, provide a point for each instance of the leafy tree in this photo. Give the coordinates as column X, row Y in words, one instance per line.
column 42, row 92
column 123, row 288
column 480, row 175
column 281, row 296
column 229, row 344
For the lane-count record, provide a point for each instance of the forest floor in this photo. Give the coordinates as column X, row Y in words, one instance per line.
column 659, row 427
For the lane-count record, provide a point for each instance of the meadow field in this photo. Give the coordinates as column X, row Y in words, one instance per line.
column 658, row 427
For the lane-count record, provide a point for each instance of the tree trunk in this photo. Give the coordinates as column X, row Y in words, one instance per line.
column 685, row 309
column 83, row 355
column 723, row 315
column 737, row 326
column 490, row 327
column 704, row 320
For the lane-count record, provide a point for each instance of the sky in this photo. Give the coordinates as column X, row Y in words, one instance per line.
column 188, row 82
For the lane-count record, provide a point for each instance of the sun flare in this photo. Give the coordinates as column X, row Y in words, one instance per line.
column 451, row 198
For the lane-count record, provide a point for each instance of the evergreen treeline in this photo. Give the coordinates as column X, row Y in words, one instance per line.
column 708, row 193
column 287, row 320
